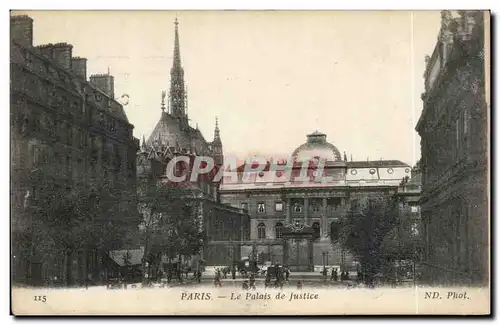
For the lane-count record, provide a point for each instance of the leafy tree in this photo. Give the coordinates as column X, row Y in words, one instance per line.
column 362, row 231
column 171, row 225
column 404, row 241
column 67, row 220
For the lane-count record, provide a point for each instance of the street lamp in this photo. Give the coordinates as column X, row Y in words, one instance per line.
column 324, row 265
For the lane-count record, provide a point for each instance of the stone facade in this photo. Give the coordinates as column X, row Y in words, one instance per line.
column 65, row 126
column 454, row 142
column 275, row 200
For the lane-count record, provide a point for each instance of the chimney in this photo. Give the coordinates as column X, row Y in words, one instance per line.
column 46, row 50
column 105, row 83
column 62, row 54
column 21, row 30
column 79, row 67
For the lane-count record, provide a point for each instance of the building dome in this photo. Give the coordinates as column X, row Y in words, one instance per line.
column 317, row 146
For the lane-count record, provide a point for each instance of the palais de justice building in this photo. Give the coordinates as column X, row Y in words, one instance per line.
column 277, row 203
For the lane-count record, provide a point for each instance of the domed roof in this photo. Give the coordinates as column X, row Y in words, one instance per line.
column 317, row 146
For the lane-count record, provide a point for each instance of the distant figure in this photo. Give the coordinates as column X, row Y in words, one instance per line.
column 233, row 272
column 336, row 275
column 359, row 276
column 346, row 275
column 245, row 285
column 342, row 276
column 225, row 271
column 217, row 279
column 252, row 281
column 267, row 282
column 179, row 274
column 299, row 285
column 287, row 273
column 278, row 284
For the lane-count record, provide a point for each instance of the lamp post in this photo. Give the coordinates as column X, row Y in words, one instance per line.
column 324, row 265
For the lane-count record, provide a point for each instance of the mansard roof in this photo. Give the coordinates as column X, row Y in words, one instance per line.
column 376, row 163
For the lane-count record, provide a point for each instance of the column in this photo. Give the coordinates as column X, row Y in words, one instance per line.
column 287, row 210
column 242, row 230
column 310, row 255
column 306, row 211
column 324, row 220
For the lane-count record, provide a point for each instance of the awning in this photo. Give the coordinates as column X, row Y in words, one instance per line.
column 127, row 256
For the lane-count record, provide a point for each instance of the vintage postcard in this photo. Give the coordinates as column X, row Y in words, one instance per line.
column 250, row 162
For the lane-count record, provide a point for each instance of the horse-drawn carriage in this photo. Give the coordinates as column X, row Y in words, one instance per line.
column 243, row 267
column 246, row 266
column 278, row 273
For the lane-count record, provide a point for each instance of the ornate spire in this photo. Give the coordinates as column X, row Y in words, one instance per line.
column 177, row 90
column 217, row 131
column 163, row 94
column 143, row 146
column 177, row 52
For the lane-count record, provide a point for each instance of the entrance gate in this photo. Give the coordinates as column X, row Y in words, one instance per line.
column 298, row 247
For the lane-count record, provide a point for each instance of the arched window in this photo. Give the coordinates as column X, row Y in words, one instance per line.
column 278, row 229
column 317, row 230
column 297, row 208
column 261, row 231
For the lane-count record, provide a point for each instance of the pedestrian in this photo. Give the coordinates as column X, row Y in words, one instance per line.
column 245, row 285
column 267, row 282
column 217, row 280
column 233, row 272
column 299, row 285
column 169, row 275
column 252, row 281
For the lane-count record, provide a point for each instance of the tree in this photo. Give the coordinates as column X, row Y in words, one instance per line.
column 362, row 231
column 404, row 242
column 171, row 225
column 69, row 220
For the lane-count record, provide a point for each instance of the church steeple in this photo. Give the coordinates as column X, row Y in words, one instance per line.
column 217, row 132
column 217, row 145
column 177, row 89
column 143, row 146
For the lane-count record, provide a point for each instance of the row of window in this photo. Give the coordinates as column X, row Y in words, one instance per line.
column 261, row 230
column 278, row 230
column 278, row 207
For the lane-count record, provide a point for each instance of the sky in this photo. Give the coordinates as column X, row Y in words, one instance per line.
column 271, row 77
